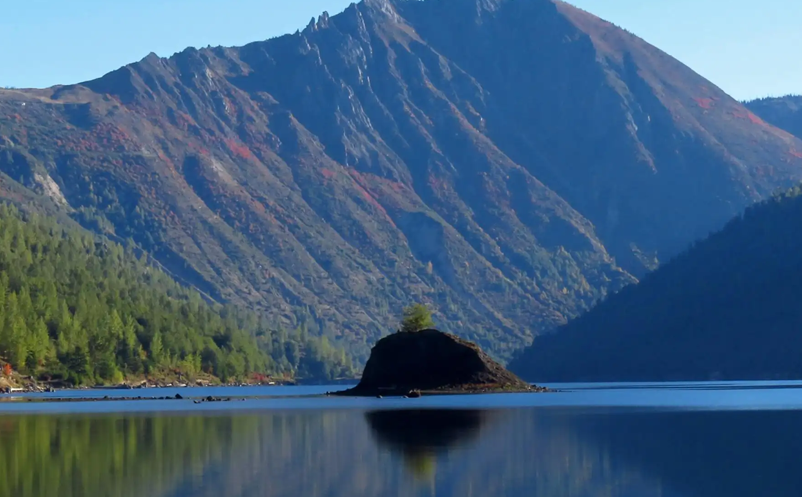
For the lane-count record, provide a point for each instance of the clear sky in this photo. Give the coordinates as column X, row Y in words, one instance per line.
column 747, row 47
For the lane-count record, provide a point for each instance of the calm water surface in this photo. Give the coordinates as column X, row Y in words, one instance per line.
column 616, row 440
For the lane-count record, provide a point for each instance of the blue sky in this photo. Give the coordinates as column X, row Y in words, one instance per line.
column 748, row 48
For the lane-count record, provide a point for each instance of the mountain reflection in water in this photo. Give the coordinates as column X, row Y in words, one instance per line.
column 515, row 452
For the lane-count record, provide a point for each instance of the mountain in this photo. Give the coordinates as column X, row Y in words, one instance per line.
column 783, row 112
column 83, row 310
column 509, row 161
column 728, row 308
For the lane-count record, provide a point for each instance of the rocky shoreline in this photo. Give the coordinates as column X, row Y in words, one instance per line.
column 195, row 400
column 415, row 393
column 27, row 385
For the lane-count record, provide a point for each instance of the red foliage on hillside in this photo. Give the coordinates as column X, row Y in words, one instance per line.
column 239, row 150
column 705, row 103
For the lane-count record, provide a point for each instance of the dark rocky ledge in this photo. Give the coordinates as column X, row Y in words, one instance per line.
column 433, row 362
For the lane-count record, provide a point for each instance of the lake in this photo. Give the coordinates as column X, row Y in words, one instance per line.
column 614, row 440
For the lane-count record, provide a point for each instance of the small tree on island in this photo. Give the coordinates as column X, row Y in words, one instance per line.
column 417, row 317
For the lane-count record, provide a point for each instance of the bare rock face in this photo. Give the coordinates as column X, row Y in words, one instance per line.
column 431, row 361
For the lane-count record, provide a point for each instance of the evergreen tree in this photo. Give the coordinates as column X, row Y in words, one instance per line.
column 87, row 310
column 417, row 317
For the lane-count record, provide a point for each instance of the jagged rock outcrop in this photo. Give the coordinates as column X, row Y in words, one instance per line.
column 431, row 361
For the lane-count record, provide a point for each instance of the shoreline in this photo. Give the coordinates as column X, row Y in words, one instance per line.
column 24, row 397
column 41, row 387
column 197, row 399
column 69, row 400
column 415, row 392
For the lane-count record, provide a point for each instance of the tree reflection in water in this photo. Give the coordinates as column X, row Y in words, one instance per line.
column 406, row 453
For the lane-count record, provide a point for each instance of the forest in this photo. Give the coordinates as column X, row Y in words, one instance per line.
column 84, row 310
column 727, row 308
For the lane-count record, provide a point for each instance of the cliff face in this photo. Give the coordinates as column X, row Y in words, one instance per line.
column 510, row 161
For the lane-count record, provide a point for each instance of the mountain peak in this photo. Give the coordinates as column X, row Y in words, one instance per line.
column 384, row 8
column 322, row 22
column 509, row 162
column 151, row 57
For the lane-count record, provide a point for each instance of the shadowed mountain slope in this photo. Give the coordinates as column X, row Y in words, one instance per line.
column 783, row 112
column 509, row 161
column 725, row 309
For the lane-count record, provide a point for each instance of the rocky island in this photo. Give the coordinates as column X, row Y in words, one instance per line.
column 414, row 363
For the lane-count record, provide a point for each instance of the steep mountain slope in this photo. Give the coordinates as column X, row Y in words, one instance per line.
column 783, row 112
column 728, row 308
column 510, row 161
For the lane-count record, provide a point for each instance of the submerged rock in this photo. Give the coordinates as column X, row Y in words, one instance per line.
column 430, row 361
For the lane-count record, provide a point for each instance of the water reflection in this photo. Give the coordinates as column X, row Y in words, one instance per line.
column 110, row 455
column 421, row 435
column 405, row 453
column 706, row 453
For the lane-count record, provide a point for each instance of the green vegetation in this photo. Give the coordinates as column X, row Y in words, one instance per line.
column 20, row 473
column 83, row 311
column 728, row 308
column 113, row 455
column 268, row 454
column 417, row 317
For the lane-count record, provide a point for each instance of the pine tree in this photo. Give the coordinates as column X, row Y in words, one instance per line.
column 86, row 310
column 157, row 348
column 417, row 317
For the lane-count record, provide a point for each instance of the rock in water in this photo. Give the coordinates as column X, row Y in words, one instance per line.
column 431, row 361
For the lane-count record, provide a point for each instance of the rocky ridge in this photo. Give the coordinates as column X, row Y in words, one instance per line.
column 509, row 162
